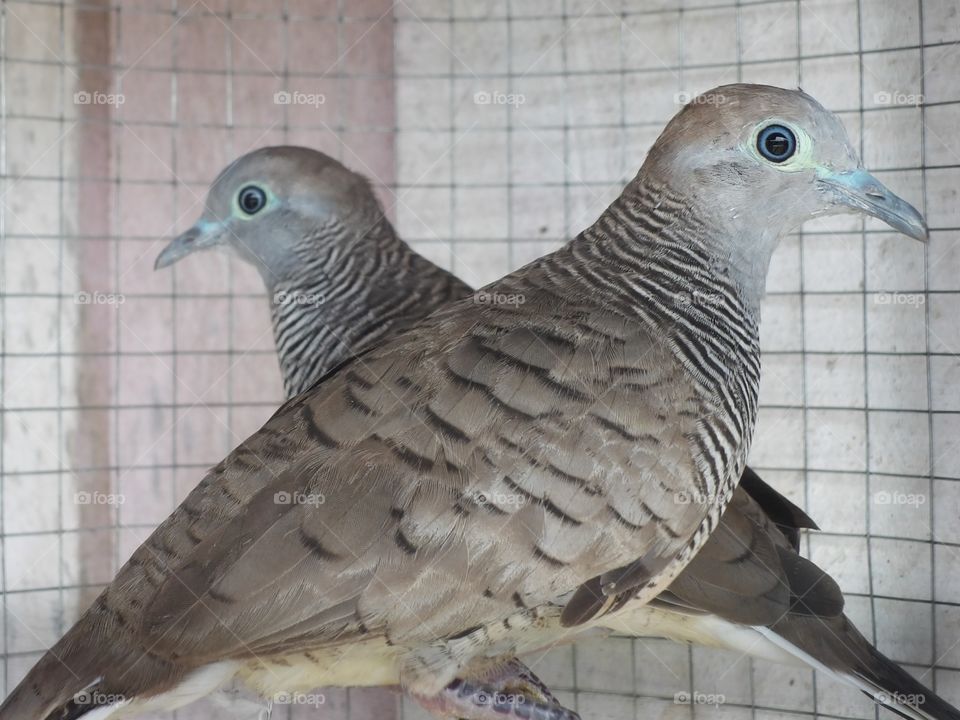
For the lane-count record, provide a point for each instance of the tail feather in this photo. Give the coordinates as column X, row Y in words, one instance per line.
column 50, row 690
column 838, row 649
column 81, row 677
column 895, row 688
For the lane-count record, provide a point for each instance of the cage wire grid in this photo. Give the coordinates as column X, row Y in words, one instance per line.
column 494, row 130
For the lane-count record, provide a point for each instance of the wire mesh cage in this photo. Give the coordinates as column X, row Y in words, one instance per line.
column 493, row 130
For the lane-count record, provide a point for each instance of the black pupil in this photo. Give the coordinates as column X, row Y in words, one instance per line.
column 251, row 199
column 778, row 144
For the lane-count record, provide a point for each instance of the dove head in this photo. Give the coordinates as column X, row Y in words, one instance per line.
column 277, row 206
column 758, row 161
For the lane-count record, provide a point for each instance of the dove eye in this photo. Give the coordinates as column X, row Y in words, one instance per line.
column 251, row 199
column 777, row 143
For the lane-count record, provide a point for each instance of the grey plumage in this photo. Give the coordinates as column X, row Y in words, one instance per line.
column 598, row 398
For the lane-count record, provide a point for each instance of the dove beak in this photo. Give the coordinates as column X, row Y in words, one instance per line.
column 861, row 191
column 204, row 234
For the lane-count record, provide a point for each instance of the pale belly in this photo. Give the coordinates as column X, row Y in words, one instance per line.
column 357, row 664
column 373, row 662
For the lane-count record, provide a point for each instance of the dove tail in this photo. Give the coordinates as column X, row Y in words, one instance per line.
column 51, row 692
column 50, row 689
column 845, row 654
column 90, row 673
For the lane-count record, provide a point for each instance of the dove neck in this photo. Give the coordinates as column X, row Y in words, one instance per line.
column 348, row 290
column 651, row 222
column 655, row 260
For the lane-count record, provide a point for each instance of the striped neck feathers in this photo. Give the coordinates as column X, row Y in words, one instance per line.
column 653, row 234
column 336, row 302
column 650, row 254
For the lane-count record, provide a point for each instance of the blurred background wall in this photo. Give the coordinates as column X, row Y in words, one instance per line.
column 493, row 130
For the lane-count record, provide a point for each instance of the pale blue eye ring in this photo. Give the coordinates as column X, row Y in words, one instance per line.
column 777, row 143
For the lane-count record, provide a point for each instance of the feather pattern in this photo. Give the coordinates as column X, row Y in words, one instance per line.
column 440, row 499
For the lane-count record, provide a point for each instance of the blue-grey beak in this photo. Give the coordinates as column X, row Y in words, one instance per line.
column 861, row 191
column 204, row 234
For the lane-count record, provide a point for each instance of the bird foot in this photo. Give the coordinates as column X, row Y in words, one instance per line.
column 512, row 692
